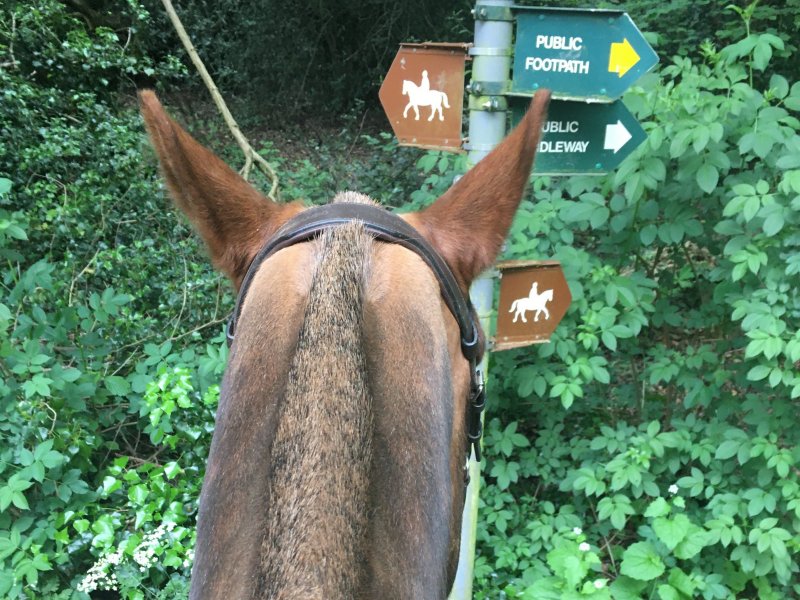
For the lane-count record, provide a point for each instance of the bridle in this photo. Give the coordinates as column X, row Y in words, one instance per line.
column 387, row 227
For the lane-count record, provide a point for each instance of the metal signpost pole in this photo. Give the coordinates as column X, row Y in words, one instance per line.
column 491, row 67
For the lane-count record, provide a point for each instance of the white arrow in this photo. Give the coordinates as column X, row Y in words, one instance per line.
column 616, row 136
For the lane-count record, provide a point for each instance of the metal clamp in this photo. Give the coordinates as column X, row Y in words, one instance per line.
column 488, row 103
column 479, row 147
column 489, row 51
column 488, row 88
column 488, row 12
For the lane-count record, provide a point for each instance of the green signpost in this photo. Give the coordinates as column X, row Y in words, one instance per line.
column 589, row 55
column 582, row 138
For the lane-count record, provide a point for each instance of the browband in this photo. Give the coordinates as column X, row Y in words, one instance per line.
column 385, row 226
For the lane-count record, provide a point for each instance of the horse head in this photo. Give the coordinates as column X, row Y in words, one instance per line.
column 336, row 465
column 407, row 87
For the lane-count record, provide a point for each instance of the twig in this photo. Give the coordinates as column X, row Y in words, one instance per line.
column 196, row 329
column 79, row 275
column 13, row 62
column 250, row 154
column 54, row 419
column 358, row 133
column 185, row 296
column 610, row 554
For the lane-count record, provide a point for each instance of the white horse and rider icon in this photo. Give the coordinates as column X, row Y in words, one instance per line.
column 534, row 301
column 423, row 95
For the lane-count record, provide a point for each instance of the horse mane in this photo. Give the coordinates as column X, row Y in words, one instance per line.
column 313, row 544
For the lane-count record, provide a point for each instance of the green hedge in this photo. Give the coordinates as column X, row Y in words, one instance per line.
column 652, row 449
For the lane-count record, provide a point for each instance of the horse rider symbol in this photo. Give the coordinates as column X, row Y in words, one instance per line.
column 423, row 95
column 533, row 302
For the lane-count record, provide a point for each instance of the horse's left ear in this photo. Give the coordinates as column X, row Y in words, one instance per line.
column 231, row 216
column 468, row 223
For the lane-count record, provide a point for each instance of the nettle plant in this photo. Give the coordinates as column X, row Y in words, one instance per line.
column 660, row 422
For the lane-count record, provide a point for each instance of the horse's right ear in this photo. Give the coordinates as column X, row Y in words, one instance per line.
column 468, row 223
column 231, row 216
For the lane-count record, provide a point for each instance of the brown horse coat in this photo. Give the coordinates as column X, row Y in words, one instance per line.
column 336, row 466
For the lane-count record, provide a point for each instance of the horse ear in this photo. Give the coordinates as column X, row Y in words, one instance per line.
column 468, row 223
column 231, row 216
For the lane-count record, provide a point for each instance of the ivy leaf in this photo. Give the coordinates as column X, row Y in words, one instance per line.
column 640, row 561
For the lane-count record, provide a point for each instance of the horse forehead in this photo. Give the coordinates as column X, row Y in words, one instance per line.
column 398, row 275
column 285, row 275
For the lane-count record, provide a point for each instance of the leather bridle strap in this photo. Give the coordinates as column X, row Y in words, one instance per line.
column 387, row 227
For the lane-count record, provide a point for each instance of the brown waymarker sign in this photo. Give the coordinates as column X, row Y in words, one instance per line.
column 423, row 95
column 534, row 297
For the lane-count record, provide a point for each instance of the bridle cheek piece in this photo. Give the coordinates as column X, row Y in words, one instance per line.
column 387, row 227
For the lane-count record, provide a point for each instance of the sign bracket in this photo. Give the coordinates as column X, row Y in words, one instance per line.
column 490, row 12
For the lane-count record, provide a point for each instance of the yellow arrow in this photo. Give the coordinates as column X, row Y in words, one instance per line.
column 622, row 57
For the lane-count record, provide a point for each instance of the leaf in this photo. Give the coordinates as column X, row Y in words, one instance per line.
column 727, row 449
column 7, row 547
column 625, row 588
column 751, row 207
column 37, row 471
column 599, row 217
column 779, row 85
column 18, row 499
column 609, row 340
column 671, row 531
column 758, row 373
column 52, row 459
column 762, row 54
column 648, row 234
column 640, row 561
column 658, row 508
column 5, row 186
column 667, row 592
column 707, row 178
column 695, row 540
column 26, row 457
column 117, row 386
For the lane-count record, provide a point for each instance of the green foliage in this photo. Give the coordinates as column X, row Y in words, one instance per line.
column 648, row 452
column 677, row 361
column 76, row 480
column 305, row 58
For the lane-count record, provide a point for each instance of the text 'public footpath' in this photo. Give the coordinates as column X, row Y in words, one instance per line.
column 558, row 65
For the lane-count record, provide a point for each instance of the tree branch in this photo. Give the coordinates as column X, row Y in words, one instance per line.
column 250, row 154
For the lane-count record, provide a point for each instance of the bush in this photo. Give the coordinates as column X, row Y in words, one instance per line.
column 671, row 469
column 649, row 451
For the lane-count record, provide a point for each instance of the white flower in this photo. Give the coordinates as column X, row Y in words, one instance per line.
column 577, row 530
column 584, row 547
column 673, row 489
column 599, row 584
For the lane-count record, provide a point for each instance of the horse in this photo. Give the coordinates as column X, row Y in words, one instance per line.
column 336, row 467
column 534, row 301
column 418, row 96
